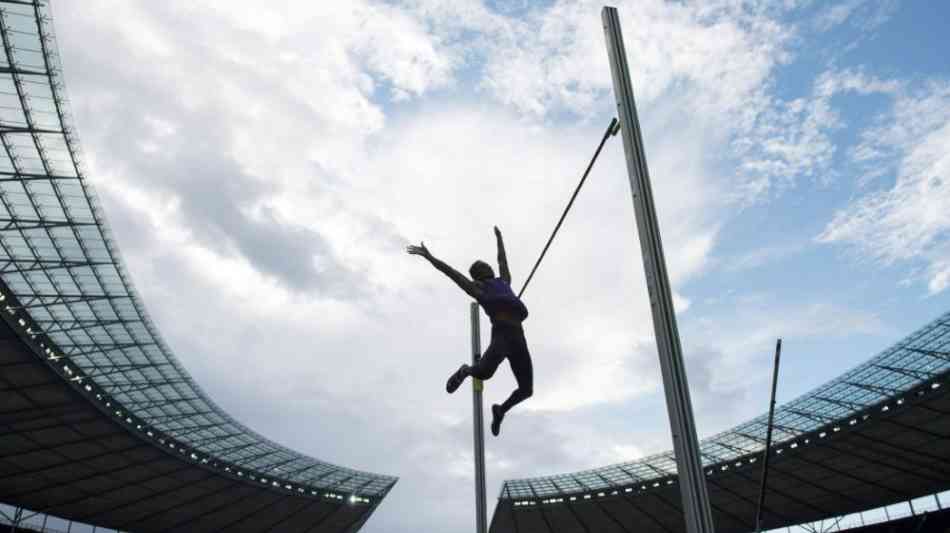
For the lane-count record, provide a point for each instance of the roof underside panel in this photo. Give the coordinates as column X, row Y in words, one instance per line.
column 63, row 455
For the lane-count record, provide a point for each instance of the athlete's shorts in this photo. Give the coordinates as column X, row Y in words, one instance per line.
column 507, row 341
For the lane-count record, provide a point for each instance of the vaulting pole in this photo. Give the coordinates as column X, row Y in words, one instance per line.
column 697, row 513
column 481, row 513
column 768, row 439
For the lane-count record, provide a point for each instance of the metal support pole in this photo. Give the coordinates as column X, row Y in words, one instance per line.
column 768, row 438
column 692, row 482
column 17, row 516
column 481, row 513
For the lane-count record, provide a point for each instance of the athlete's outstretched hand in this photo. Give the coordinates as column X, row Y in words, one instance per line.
column 419, row 250
column 497, row 232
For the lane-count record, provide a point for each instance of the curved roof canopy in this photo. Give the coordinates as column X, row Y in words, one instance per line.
column 873, row 436
column 60, row 264
column 920, row 357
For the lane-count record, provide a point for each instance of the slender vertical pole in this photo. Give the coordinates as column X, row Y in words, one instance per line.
column 17, row 516
column 692, row 482
column 481, row 513
column 768, row 438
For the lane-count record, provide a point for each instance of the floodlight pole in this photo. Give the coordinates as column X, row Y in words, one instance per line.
column 768, row 439
column 692, row 482
column 481, row 513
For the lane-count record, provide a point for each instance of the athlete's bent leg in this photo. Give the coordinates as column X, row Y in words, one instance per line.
column 457, row 377
column 484, row 369
column 520, row 361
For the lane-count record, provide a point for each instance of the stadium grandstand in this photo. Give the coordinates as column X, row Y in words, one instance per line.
column 876, row 436
column 100, row 423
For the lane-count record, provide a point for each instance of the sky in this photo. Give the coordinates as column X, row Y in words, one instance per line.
column 263, row 166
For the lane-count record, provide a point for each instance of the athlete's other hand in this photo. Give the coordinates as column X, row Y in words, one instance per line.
column 419, row 250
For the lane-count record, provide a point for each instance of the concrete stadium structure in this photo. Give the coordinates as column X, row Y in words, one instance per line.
column 99, row 421
column 877, row 435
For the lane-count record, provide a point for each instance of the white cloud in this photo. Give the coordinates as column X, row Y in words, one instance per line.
column 793, row 139
column 833, row 15
column 909, row 221
column 728, row 354
column 556, row 59
column 709, row 63
column 357, row 127
column 832, row 82
column 939, row 276
column 588, row 347
column 759, row 257
column 864, row 15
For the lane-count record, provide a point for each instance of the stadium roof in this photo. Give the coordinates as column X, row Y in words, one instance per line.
column 65, row 286
column 63, row 455
column 875, row 435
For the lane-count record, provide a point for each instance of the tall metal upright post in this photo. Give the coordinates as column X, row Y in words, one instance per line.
column 768, row 439
column 697, row 513
column 481, row 512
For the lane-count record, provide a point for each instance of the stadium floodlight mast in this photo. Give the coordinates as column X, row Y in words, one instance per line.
column 696, row 509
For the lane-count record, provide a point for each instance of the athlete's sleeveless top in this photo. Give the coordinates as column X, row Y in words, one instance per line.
column 497, row 296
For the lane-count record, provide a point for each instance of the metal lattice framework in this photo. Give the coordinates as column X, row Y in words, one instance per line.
column 76, row 300
column 915, row 360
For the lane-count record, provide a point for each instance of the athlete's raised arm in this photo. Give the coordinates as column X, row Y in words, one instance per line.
column 503, row 271
column 464, row 283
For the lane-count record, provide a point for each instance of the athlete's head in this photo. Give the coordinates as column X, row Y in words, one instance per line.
column 481, row 271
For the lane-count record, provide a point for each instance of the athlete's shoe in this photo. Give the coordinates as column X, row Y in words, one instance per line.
column 456, row 379
column 496, row 417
